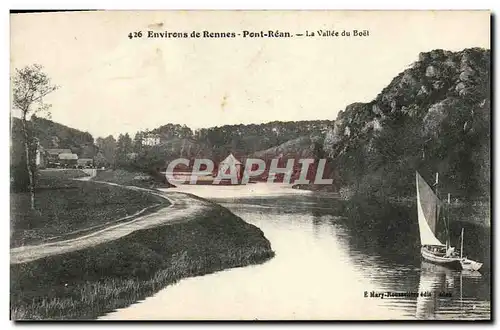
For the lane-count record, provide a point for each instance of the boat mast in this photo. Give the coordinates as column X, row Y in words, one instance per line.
column 448, row 217
column 437, row 204
column 436, row 191
column 462, row 244
column 446, row 213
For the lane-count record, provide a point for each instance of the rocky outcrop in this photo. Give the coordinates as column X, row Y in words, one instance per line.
column 434, row 116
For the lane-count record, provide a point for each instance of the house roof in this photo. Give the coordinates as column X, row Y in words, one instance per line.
column 231, row 160
column 58, row 151
column 68, row 156
column 85, row 160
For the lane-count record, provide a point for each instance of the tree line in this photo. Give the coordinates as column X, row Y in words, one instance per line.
column 153, row 148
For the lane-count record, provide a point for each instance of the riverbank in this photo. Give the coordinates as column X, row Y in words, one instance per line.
column 127, row 178
column 135, row 260
column 476, row 211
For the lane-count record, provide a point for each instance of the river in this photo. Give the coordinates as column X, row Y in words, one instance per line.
column 334, row 260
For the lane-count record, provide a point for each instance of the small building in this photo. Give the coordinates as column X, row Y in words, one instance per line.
column 85, row 162
column 68, row 159
column 231, row 165
column 53, row 154
column 151, row 139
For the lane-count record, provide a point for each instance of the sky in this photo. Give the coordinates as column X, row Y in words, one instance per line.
column 110, row 84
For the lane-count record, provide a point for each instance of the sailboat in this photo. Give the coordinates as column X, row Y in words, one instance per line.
column 432, row 249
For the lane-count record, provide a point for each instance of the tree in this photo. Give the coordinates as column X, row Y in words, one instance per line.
column 29, row 87
column 107, row 147
column 138, row 142
column 123, row 149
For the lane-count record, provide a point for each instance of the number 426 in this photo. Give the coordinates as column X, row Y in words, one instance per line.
column 135, row 35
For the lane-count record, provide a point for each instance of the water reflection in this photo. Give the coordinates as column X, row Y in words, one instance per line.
column 328, row 254
column 442, row 296
column 382, row 243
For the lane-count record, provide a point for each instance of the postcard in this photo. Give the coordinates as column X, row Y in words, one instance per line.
column 250, row 165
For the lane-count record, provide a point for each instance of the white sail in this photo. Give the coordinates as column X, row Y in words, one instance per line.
column 427, row 210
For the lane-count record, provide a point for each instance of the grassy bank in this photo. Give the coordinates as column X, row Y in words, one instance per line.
column 66, row 206
column 138, row 179
column 88, row 283
column 316, row 187
column 62, row 174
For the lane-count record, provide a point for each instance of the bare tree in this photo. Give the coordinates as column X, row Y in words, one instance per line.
column 29, row 86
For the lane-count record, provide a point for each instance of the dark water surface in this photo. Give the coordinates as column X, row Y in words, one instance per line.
column 334, row 260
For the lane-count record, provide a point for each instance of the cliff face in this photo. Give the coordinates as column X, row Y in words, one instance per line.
column 434, row 116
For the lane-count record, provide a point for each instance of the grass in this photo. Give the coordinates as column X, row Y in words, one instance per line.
column 62, row 173
column 66, row 206
column 127, row 178
column 88, row 283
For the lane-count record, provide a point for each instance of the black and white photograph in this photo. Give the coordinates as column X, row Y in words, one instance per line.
column 250, row 165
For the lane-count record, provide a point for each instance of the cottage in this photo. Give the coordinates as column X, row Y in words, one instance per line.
column 85, row 162
column 53, row 155
column 231, row 165
column 68, row 159
column 151, row 139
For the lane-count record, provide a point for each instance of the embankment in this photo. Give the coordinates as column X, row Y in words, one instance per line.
column 85, row 283
column 128, row 178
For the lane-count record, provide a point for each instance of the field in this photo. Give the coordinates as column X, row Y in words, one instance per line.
column 61, row 174
column 63, row 207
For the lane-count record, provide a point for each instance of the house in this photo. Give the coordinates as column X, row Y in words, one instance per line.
column 53, row 154
column 68, row 159
column 230, row 165
column 85, row 162
column 151, row 139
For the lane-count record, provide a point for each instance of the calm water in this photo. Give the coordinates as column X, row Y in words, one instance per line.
column 329, row 256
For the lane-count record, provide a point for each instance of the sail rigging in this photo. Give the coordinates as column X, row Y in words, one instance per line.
column 428, row 207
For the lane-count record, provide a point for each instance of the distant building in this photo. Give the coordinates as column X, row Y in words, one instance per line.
column 53, row 154
column 231, row 165
column 68, row 159
column 151, row 139
column 85, row 162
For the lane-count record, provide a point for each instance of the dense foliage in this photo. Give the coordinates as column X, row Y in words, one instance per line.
column 216, row 143
column 52, row 135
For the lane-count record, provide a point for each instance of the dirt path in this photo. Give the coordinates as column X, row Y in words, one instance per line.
column 183, row 208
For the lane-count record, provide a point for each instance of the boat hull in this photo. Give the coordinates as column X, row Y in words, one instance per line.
column 472, row 265
column 449, row 262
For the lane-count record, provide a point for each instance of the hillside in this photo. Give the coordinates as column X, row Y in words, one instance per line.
column 158, row 156
column 186, row 148
column 54, row 135
column 301, row 147
column 241, row 140
column 434, row 116
column 247, row 139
